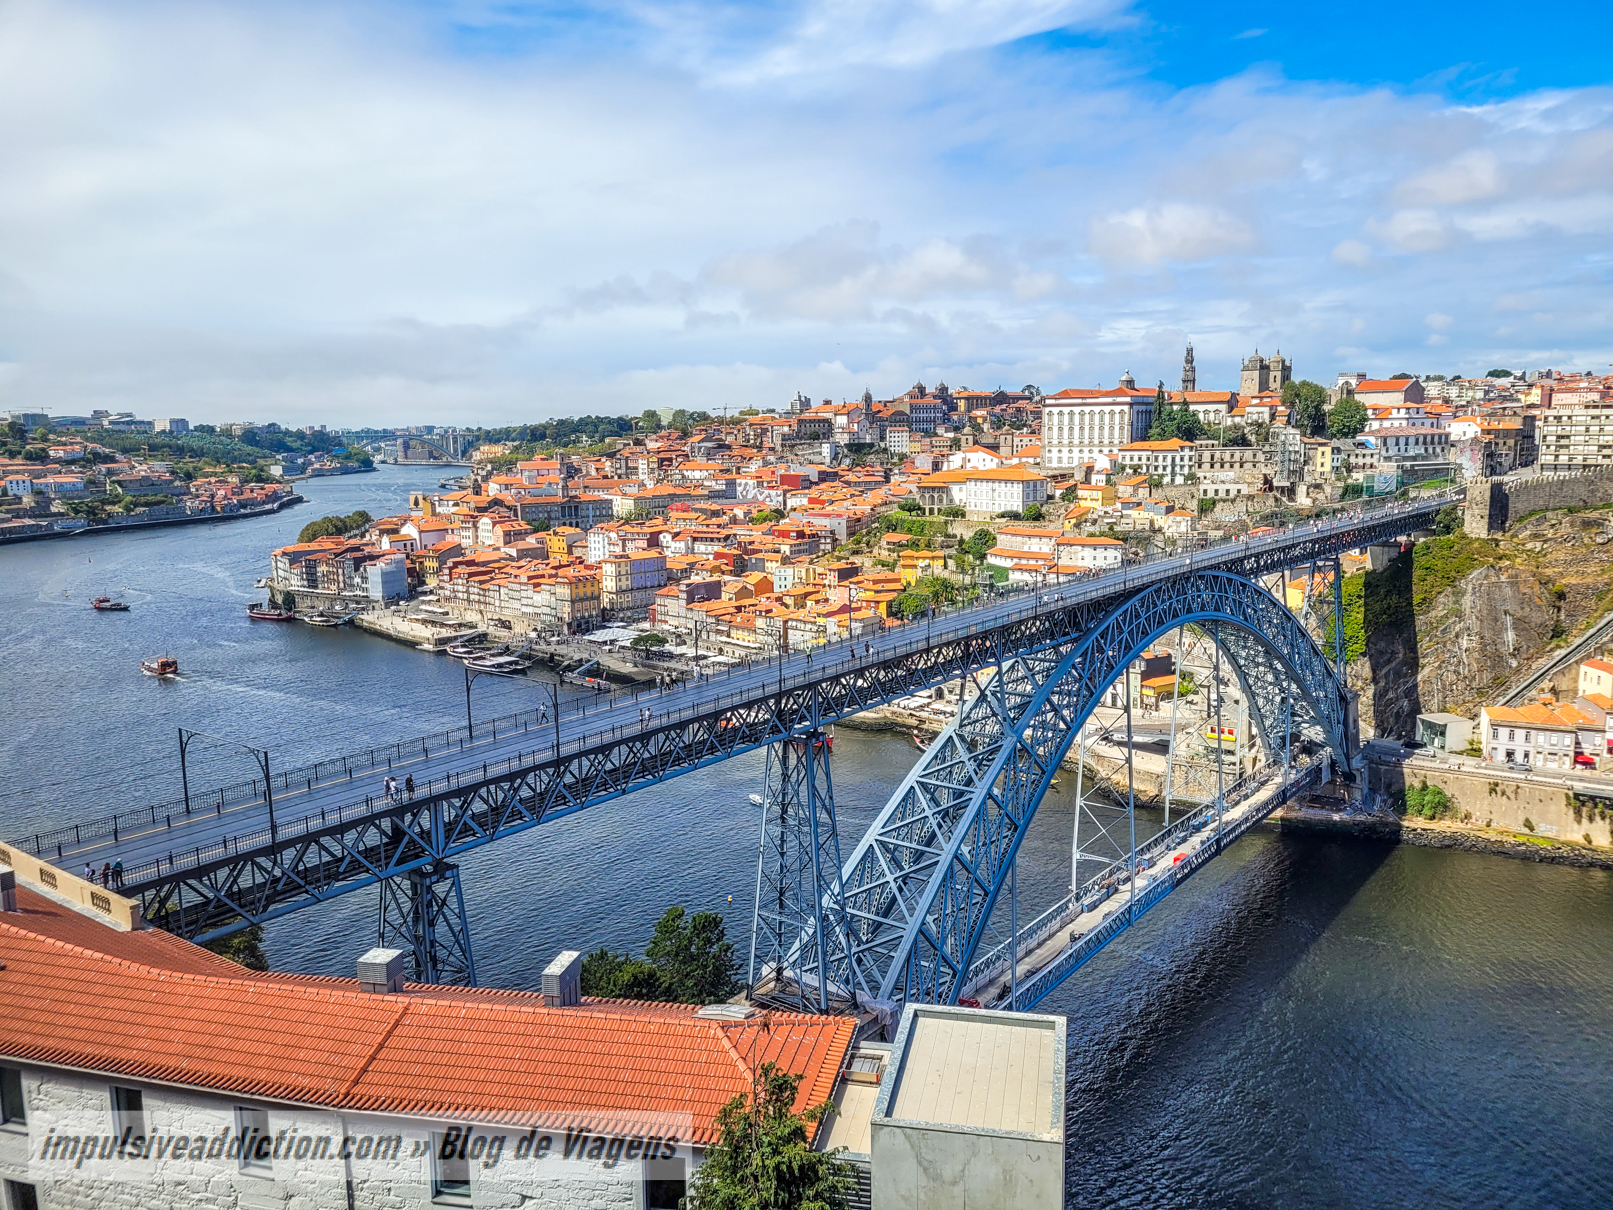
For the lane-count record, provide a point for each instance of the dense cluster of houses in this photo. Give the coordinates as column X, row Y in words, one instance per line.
column 38, row 496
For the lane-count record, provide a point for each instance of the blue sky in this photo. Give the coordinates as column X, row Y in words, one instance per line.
column 458, row 210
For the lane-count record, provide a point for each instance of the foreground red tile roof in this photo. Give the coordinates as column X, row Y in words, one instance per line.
column 148, row 1006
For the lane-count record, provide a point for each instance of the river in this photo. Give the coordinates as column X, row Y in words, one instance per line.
column 1307, row 1023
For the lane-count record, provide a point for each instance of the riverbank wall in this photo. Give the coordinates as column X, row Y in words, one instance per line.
column 1529, row 804
column 165, row 523
column 1438, row 834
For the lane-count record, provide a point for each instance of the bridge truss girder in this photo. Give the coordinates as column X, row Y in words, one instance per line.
column 920, row 887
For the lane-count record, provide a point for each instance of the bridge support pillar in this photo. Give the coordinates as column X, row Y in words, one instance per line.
column 423, row 914
column 798, row 931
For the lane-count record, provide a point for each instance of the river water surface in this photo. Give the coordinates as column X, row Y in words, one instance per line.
column 1306, row 1023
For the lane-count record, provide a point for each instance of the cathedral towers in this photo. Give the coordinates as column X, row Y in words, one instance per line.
column 1262, row 375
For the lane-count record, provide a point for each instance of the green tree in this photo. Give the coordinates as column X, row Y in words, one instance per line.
column 980, row 543
column 620, row 977
column 334, row 526
column 690, row 961
column 645, row 641
column 695, row 957
column 953, row 510
column 1068, row 495
column 1347, row 419
column 1307, row 406
column 1033, row 512
column 1180, row 422
column 650, row 419
column 763, row 1158
column 1499, row 374
column 909, row 504
column 244, row 948
column 1448, row 521
column 764, row 516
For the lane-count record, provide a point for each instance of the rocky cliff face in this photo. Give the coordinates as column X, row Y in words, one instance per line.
column 1480, row 611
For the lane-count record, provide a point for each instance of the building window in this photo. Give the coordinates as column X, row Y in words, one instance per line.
column 21, row 1197
column 450, row 1174
column 128, row 1112
column 665, row 1184
column 252, row 1125
column 11, row 1106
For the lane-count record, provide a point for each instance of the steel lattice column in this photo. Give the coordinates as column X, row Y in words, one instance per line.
column 798, row 931
column 423, row 913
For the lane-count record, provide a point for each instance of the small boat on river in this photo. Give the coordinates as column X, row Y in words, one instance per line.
column 506, row 664
column 262, row 611
column 162, row 666
column 108, row 605
column 328, row 619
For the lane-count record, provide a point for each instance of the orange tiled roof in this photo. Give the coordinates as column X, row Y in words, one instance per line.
column 149, row 1006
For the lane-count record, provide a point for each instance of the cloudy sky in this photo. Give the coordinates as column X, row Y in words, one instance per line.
column 481, row 211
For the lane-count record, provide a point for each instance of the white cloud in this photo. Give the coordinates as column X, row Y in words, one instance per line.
column 1422, row 230
column 1437, row 339
column 1168, row 231
column 1351, row 252
column 1440, row 323
column 1472, row 176
column 324, row 214
column 1249, row 33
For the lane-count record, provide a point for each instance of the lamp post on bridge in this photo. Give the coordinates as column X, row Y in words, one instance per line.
column 261, row 755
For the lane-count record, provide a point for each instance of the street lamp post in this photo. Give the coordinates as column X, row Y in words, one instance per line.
column 260, row 755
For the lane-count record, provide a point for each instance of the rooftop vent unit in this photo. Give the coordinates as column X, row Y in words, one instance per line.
column 381, row 971
column 728, row 1012
column 562, row 980
column 8, row 889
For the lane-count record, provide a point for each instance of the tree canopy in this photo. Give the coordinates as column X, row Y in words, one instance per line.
column 687, row 961
column 1307, row 406
column 1499, row 374
column 980, row 543
column 763, row 1158
column 1347, row 419
column 334, row 526
column 1180, row 422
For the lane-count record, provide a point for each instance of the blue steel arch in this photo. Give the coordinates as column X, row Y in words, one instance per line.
column 916, row 894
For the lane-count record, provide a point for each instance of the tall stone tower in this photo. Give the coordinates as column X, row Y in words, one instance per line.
column 1256, row 376
column 1263, row 374
column 1190, row 378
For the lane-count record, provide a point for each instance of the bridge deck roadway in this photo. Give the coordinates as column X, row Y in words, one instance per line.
column 1067, row 935
column 153, row 843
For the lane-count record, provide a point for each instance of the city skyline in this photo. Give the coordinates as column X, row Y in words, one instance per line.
column 468, row 214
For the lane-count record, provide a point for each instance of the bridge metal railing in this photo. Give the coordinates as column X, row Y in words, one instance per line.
column 942, row 625
column 1040, row 982
column 1101, row 886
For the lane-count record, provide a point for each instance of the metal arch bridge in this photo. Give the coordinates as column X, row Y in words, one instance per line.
column 451, row 458
column 905, row 916
column 221, row 859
